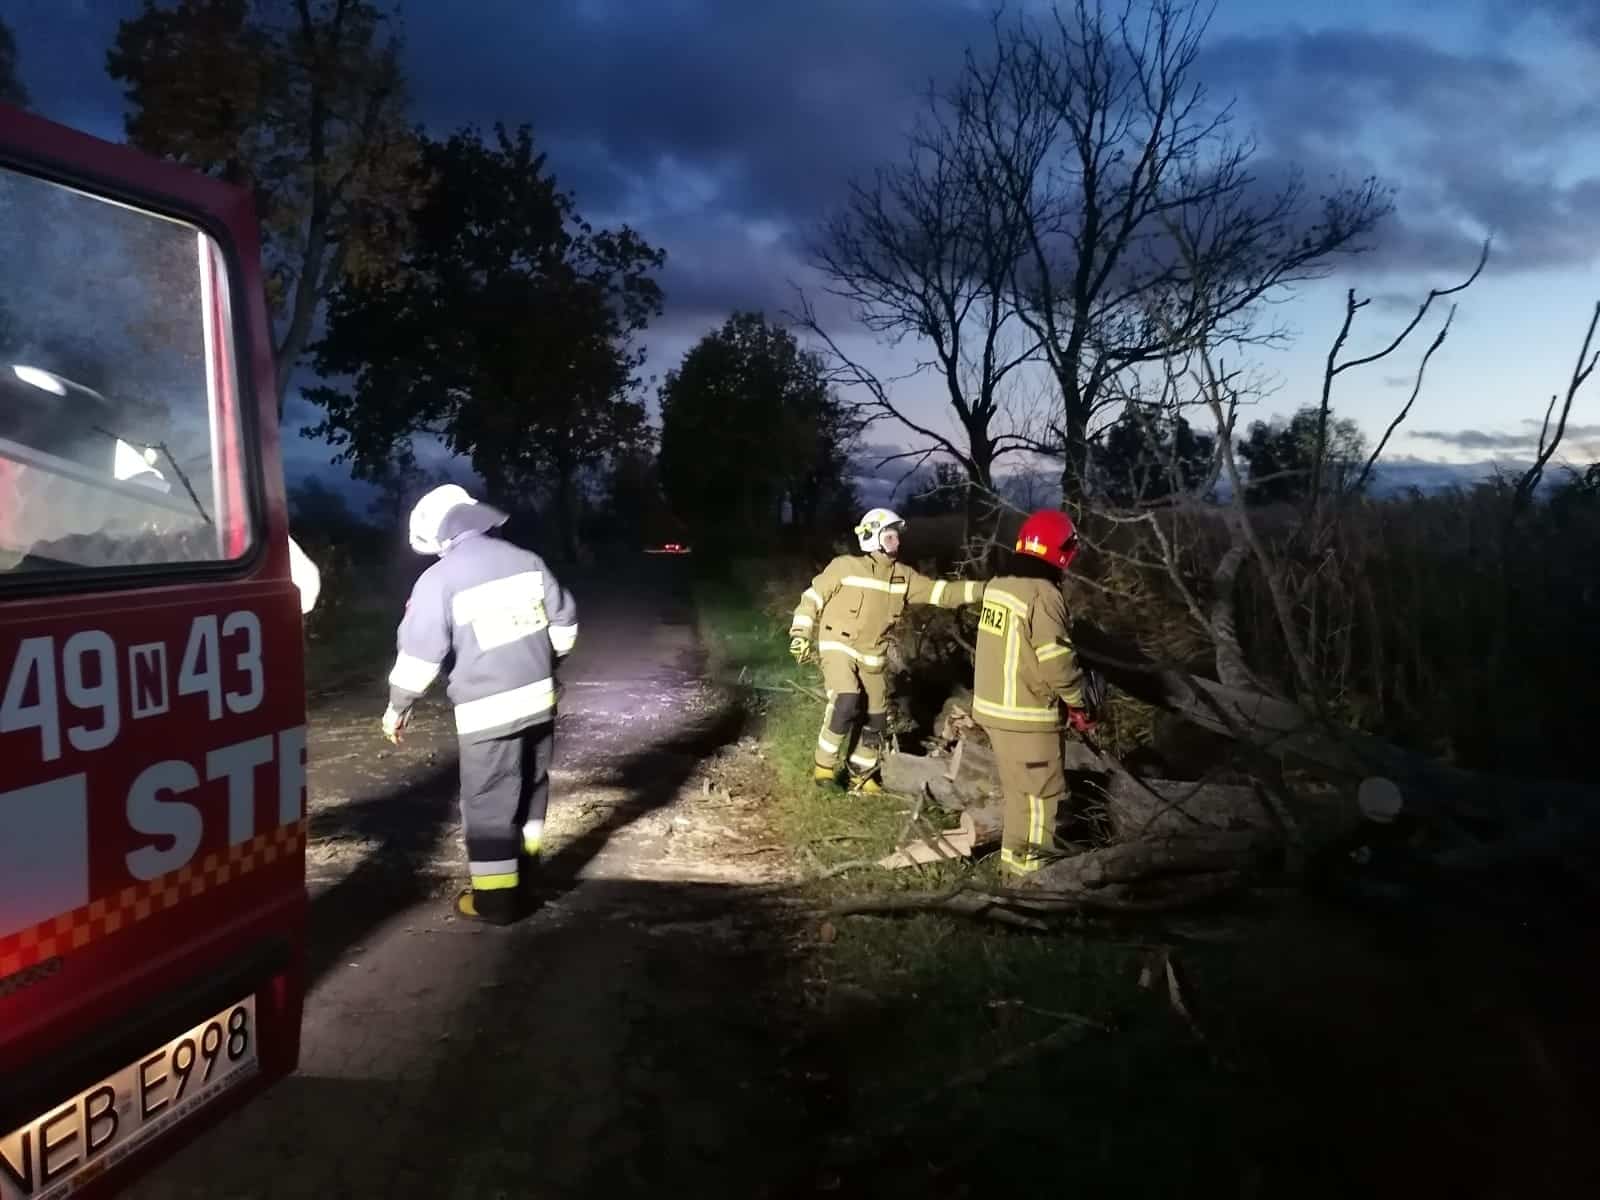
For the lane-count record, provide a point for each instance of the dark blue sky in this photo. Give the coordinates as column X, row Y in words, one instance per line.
column 726, row 129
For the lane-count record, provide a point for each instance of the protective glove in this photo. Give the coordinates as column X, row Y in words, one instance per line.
column 1079, row 720
column 394, row 724
column 800, row 647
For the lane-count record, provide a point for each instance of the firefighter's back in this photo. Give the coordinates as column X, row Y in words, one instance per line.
column 501, row 602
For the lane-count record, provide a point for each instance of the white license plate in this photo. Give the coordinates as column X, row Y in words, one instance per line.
column 63, row 1149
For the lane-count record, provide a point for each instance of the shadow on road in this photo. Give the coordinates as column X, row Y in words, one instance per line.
column 408, row 824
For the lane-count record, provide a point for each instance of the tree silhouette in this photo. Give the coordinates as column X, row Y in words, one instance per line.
column 1148, row 456
column 1282, row 457
column 302, row 102
column 749, row 425
column 11, row 89
column 508, row 335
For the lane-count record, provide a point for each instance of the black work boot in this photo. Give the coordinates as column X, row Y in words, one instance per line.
column 495, row 907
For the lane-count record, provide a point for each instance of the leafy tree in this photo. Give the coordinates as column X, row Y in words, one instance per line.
column 1146, row 456
column 11, row 89
column 748, row 425
column 1282, row 457
column 304, row 102
column 508, row 334
column 936, row 493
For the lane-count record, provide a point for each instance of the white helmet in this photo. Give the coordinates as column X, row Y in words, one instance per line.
column 873, row 524
column 432, row 530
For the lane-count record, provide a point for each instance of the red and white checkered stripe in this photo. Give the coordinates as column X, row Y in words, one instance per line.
column 111, row 914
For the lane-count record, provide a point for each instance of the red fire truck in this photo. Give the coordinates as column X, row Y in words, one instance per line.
column 152, row 713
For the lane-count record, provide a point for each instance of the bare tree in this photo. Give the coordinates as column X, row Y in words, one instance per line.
column 1550, row 439
column 1093, row 130
column 923, row 252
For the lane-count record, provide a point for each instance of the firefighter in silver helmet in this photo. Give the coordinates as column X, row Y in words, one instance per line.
column 508, row 621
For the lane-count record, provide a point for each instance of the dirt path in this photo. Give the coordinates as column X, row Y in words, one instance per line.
column 625, row 1039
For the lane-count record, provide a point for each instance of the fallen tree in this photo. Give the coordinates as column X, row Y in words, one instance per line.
column 1168, row 844
column 1488, row 818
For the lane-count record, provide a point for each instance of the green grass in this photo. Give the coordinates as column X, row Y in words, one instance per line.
column 905, row 1005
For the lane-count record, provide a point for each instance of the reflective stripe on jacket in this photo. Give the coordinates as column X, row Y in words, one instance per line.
column 1025, row 667
column 508, row 621
column 849, row 608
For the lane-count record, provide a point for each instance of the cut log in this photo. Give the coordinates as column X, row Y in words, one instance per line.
column 907, row 775
column 978, row 829
column 974, row 777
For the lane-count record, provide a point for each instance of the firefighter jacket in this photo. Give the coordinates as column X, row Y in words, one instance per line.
column 1025, row 666
column 849, row 608
column 507, row 620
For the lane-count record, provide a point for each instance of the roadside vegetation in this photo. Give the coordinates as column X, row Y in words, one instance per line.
column 1276, row 1044
column 964, row 1053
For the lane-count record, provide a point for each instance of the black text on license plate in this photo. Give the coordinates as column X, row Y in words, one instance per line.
column 63, row 1149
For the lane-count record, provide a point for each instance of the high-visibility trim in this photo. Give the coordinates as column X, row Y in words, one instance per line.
column 1050, row 650
column 938, row 591
column 1035, row 821
column 494, row 883
column 812, row 595
column 523, row 588
column 502, row 611
column 563, row 638
column 1073, row 699
column 867, row 660
column 970, row 592
column 895, row 587
column 1013, row 660
column 532, row 837
column 832, row 747
column 1020, row 863
column 1011, row 712
column 863, row 760
column 411, row 674
column 801, row 621
column 502, row 708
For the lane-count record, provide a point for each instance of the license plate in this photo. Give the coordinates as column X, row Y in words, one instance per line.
column 63, row 1149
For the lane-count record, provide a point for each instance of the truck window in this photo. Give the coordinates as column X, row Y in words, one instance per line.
column 120, row 436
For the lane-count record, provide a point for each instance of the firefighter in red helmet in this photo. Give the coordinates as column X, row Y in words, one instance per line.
column 1028, row 687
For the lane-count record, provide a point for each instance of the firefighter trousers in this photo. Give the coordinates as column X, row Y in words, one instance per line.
column 505, row 790
column 1033, row 783
column 850, row 686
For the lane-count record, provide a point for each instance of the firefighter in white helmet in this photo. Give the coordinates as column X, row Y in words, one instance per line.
column 845, row 617
column 508, row 621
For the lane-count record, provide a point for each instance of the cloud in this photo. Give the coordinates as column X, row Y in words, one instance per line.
column 1475, row 143
column 786, row 101
column 1581, row 443
column 1478, row 439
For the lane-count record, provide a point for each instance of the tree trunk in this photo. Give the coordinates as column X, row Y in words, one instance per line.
column 566, row 523
column 1149, row 860
column 1075, row 461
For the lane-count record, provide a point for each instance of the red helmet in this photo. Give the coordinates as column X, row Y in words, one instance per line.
column 1049, row 534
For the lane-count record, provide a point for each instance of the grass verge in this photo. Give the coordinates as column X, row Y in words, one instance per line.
column 969, row 1052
